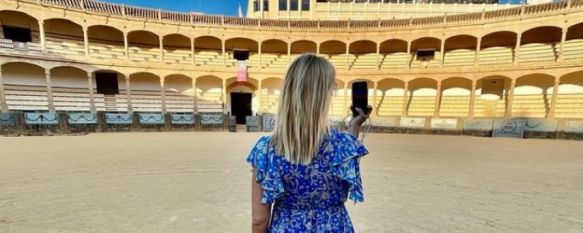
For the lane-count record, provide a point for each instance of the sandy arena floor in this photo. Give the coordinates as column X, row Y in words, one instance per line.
column 199, row 182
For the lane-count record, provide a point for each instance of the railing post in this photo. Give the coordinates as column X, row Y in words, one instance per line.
column 82, row 4
column 552, row 110
column 159, row 15
column 161, row 48
column 568, row 4
column 126, row 45
column 193, row 50
column 522, row 11
column 123, row 10
column 194, row 96
column 483, row 16
column 442, row 51
column 378, row 56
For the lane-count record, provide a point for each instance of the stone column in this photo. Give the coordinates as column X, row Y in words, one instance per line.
column 192, row 50
column 517, row 49
column 161, row 49
column 318, row 48
column 347, row 57
column 129, row 94
column 50, row 90
column 126, row 45
column 224, row 53
column 224, row 95
column 258, row 95
column 260, row 58
column 378, row 56
column 562, row 49
column 437, row 100
column 3, row 104
column 409, row 57
column 86, row 40
column 477, row 55
column 194, row 96
column 442, row 51
column 163, row 94
column 472, row 99
column 288, row 53
column 91, row 93
column 374, row 99
column 510, row 98
column 41, row 30
column 404, row 112
column 552, row 111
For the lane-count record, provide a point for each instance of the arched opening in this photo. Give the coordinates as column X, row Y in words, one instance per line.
column 105, row 42
column 209, row 93
column 574, row 43
column 25, row 86
column 70, row 89
column 335, row 51
column 274, row 53
column 365, row 55
column 455, row 97
column 337, row 105
column 146, row 92
column 426, row 52
column 64, row 37
column 532, row 96
column 570, row 95
column 243, row 45
column 208, row 51
column 300, row 47
column 540, row 45
column 110, row 91
column 497, row 48
column 19, row 30
column 491, row 95
column 394, row 54
column 177, row 49
column 460, row 50
column 391, row 97
column 242, row 100
column 422, row 94
column 179, row 93
column 270, row 92
column 143, row 46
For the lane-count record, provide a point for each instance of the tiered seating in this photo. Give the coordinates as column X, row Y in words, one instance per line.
column 269, row 103
column 61, row 46
column 496, row 56
column 538, row 53
column 99, row 101
column 176, row 102
column 421, row 106
column 433, row 63
column 106, row 51
column 71, row 99
column 460, row 57
column 364, row 61
column 337, row 106
column 454, row 106
column 530, row 106
column 26, row 97
column 394, row 60
column 178, row 56
column 272, row 60
column 489, row 106
column 573, row 50
column 390, row 105
column 208, row 58
column 146, row 101
column 210, row 102
column 117, row 102
column 569, row 106
column 138, row 54
column 339, row 60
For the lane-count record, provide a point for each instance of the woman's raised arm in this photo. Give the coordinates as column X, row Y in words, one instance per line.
column 261, row 213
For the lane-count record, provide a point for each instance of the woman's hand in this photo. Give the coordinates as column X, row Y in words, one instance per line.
column 356, row 122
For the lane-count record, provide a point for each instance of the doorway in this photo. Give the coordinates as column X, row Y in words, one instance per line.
column 241, row 106
column 107, row 83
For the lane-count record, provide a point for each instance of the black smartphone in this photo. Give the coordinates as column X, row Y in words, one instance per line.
column 359, row 97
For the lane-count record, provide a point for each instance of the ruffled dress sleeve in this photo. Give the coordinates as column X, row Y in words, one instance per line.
column 347, row 150
column 266, row 164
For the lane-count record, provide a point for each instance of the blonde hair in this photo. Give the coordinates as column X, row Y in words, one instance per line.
column 302, row 121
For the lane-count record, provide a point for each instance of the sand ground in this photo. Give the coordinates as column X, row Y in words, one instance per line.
column 199, row 182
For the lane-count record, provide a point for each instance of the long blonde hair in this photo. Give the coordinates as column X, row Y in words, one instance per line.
column 302, row 121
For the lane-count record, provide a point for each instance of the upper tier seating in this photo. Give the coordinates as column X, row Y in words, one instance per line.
column 365, row 61
column 496, row 56
column 460, row 57
column 394, row 60
column 538, row 53
column 210, row 102
column 208, row 58
column 390, row 105
column 573, row 50
column 178, row 56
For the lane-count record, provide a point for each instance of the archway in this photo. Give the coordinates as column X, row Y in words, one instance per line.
column 177, row 49
column 497, row 48
column 146, row 92
column 421, row 46
column 391, row 97
column 394, row 54
column 70, row 89
column 460, row 50
column 455, row 97
column 364, row 53
column 335, row 51
column 274, row 53
column 209, row 93
column 570, row 95
column 540, row 45
column 25, row 86
column 179, row 93
column 106, row 42
column 242, row 100
column 491, row 92
column 143, row 46
column 574, row 42
column 64, row 37
column 423, row 92
column 208, row 51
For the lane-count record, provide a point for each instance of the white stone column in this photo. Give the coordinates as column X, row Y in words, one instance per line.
column 224, row 53
column 126, row 45
column 442, row 51
column 192, row 50
column 404, row 112
column 258, row 95
column 347, row 55
column 163, row 94
column 378, row 56
column 194, row 96
column 288, row 53
column 86, row 40
column 552, row 111
column 409, row 56
column 477, row 54
column 562, row 49
column 41, row 30
column 374, row 99
column 50, row 90
column 510, row 98
column 161, row 48
column 472, row 99
column 318, row 48
column 260, row 58
column 224, row 95
column 517, row 50
column 129, row 94
column 3, row 104
column 91, row 93
column 437, row 100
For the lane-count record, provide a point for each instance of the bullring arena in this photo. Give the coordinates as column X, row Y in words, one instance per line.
column 72, row 67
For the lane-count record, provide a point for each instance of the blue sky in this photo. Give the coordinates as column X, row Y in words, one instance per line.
column 218, row 7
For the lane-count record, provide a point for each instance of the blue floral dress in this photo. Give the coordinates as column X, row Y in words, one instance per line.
column 310, row 198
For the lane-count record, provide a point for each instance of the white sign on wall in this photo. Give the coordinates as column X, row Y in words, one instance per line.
column 478, row 124
column 540, row 125
column 574, row 127
column 444, row 123
column 416, row 123
column 384, row 121
column 509, row 128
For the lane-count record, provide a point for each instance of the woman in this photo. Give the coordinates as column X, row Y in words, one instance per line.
column 306, row 169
